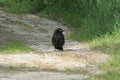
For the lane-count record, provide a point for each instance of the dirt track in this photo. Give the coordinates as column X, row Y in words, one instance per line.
column 76, row 55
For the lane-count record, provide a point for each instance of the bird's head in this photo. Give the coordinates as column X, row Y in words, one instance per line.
column 59, row 30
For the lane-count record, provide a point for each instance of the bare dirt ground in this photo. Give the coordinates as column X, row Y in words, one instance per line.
column 77, row 58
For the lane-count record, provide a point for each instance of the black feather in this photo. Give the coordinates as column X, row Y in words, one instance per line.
column 58, row 39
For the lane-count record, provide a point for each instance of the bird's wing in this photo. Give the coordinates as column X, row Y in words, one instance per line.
column 58, row 40
column 54, row 40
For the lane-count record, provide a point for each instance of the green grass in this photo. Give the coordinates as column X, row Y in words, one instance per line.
column 107, row 39
column 23, row 6
column 2, row 3
column 111, row 46
column 91, row 19
column 15, row 7
column 107, row 76
column 15, row 47
column 111, row 68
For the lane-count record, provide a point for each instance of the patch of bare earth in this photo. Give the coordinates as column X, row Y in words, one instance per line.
column 76, row 56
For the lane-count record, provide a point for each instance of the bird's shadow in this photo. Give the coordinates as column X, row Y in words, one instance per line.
column 71, row 49
column 76, row 50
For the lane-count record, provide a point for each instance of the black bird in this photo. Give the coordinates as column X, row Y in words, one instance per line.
column 58, row 39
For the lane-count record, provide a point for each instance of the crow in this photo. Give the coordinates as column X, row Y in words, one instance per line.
column 58, row 39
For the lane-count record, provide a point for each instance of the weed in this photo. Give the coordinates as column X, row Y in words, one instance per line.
column 15, row 47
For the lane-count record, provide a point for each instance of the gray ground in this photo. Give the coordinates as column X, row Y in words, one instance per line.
column 77, row 57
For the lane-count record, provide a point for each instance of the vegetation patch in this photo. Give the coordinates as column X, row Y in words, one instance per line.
column 91, row 19
column 107, row 40
column 107, row 76
column 23, row 6
column 15, row 47
column 111, row 46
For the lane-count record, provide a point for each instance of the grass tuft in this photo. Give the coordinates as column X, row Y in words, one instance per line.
column 15, row 47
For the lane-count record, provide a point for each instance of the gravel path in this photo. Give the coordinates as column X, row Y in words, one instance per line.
column 76, row 55
column 40, row 76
